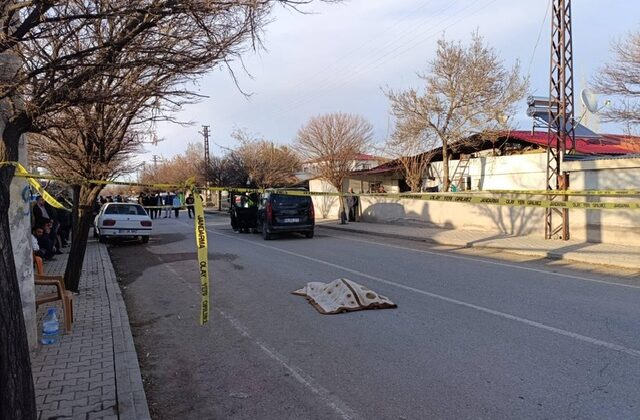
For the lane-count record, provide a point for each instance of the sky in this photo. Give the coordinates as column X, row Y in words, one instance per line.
column 341, row 57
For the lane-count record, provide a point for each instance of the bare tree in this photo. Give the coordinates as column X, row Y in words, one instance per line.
column 621, row 78
column 189, row 164
column 50, row 50
column 467, row 91
column 267, row 164
column 90, row 142
column 411, row 150
column 227, row 171
column 332, row 143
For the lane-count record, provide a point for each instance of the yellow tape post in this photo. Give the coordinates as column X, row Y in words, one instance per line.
column 203, row 255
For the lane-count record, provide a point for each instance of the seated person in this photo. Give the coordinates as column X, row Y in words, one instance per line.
column 46, row 241
column 37, row 240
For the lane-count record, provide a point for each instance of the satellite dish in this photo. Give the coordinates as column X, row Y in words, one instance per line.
column 589, row 100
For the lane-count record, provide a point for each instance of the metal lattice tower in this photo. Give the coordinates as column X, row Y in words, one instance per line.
column 561, row 109
column 207, row 159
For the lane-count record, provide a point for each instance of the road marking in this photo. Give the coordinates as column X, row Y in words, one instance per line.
column 535, row 324
column 337, row 405
column 500, row 264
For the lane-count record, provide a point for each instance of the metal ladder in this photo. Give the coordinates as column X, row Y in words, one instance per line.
column 457, row 179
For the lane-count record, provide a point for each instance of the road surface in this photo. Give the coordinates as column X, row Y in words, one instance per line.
column 474, row 335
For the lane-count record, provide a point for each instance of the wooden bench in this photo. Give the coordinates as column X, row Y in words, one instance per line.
column 60, row 294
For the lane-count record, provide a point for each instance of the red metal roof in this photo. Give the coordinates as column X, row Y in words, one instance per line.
column 606, row 144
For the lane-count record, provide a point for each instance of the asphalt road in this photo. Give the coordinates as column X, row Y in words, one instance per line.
column 474, row 336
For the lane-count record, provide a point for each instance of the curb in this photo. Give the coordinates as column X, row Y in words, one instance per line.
column 551, row 254
column 132, row 401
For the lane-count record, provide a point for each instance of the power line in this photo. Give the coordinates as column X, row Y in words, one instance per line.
column 535, row 47
column 380, row 59
column 335, row 65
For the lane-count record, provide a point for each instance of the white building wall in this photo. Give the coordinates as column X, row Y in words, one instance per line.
column 514, row 172
column 526, row 172
column 620, row 226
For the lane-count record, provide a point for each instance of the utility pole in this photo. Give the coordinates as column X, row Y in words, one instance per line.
column 561, row 122
column 207, row 162
column 142, row 169
column 156, row 159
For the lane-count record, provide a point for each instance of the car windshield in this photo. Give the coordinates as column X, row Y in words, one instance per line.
column 130, row 209
column 280, row 200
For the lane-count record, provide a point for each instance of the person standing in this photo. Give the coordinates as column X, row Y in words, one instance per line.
column 189, row 202
column 352, row 202
column 168, row 203
column 157, row 202
column 176, row 205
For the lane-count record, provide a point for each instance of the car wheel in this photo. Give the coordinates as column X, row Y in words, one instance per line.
column 265, row 234
column 144, row 239
column 309, row 234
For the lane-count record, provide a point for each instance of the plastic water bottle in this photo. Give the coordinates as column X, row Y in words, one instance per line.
column 50, row 327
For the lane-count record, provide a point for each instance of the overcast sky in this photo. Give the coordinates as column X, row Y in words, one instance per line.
column 340, row 57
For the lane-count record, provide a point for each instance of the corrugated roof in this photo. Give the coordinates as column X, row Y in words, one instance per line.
column 606, row 144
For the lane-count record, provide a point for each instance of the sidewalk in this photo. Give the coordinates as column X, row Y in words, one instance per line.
column 590, row 253
column 93, row 372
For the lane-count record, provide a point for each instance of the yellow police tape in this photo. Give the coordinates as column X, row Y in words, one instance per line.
column 475, row 199
column 22, row 171
column 203, row 257
column 465, row 197
column 601, row 193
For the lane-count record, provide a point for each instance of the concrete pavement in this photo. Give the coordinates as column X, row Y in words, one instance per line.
column 591, row 253
column 92, row 372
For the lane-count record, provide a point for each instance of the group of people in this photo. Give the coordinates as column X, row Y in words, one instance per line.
column 155, row 203
column 50, row 231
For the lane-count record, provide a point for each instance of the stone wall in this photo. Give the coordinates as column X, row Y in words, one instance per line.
column 20, row 222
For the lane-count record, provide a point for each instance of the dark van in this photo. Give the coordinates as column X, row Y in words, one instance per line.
column 279, row 212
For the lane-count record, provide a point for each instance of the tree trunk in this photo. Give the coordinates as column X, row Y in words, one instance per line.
column 85, row 200
column 445, row 168
column 415, row 182
column 342, row 211
column 17, row 396
column 219, row 200
column 74, row 208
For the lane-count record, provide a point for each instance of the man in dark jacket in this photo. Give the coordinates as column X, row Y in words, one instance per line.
column 42, row 212
column 189, row 201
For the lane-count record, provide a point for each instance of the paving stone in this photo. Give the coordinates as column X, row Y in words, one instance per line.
column 57, row 414
column 80, row 377
column 102, row 414
column 77, row 402
column 59, row 397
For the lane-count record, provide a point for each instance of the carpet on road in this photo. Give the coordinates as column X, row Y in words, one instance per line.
column 342, row 295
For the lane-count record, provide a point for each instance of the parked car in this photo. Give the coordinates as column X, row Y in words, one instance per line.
column 122, row 220
column 279, row 212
